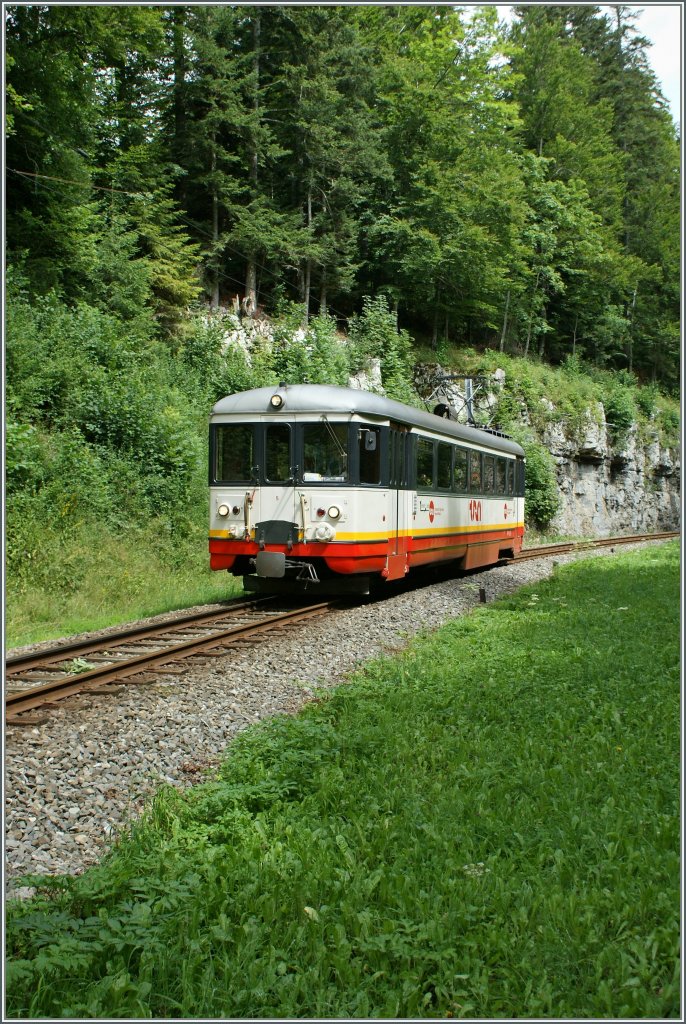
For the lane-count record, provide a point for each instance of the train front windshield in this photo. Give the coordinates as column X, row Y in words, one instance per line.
column 240, row 449
column 234, row 453
column 325, row 455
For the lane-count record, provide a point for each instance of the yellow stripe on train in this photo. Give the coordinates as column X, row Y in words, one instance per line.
column 383, row 535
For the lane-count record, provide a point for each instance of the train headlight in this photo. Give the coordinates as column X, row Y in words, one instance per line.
column 276, row 401
column 223, row 510
column 236, row 510
column 334, row 512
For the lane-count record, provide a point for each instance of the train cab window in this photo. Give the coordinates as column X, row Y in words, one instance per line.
column 444, row 466
column 475, row 472
column 369, row 447
column 325, row 452
column 425, row 463
column 510, row 477
column 460, row 471
column 234, row 453
column 489, row 474
column 520, row 478
column 277, row 454
column 397, row 467
column 500, row 475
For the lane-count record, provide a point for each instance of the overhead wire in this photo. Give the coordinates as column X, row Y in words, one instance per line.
column 140, row 195
column 179, row 216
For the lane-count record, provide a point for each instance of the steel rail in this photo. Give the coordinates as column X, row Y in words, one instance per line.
column 18, row 702
column 586, row 545
column 34, row 659
column 26, row 700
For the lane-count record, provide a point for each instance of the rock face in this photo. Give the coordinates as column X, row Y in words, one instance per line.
column 606, row 491
column 628, row 487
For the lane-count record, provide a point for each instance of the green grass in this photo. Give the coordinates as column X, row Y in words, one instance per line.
column 486, row 826
column 92, row 579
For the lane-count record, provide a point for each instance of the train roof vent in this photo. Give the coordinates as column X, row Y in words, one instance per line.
column 495, row 431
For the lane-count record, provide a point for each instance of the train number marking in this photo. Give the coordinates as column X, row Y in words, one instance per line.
column 475, row 510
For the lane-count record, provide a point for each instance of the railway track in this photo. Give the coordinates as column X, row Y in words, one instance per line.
column 135, row 654
column 587, row 545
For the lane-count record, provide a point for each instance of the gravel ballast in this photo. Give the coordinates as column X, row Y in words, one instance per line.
column 73, row 781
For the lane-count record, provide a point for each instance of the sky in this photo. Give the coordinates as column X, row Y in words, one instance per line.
column 661, row 23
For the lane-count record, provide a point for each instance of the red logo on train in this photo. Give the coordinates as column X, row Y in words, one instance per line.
column 431, row 511
column 475, row 510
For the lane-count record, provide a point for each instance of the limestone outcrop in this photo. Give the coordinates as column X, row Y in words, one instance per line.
column 607, row 486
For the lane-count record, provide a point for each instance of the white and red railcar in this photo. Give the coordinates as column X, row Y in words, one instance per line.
column 327, row 488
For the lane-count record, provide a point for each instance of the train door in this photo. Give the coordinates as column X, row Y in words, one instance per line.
column 519, row 477
column 277, row 495
column 399, row 502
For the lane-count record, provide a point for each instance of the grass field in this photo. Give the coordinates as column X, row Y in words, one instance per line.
column 93, row 580
column 486, row 826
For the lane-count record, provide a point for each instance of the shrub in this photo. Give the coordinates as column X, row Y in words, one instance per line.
column 620, row 412
column 646, row 398
column 329, row 358
column 542, row 496
column 374, row 335
column 23, row 456
column 542, row 501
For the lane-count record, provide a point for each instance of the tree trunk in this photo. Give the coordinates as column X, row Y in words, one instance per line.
column 179, row 93
column 504, row 330
column 251, row 269
column 322, row 295
column 307, row 284
column 531, row 315
column 541, row 344
column 630, row 336
column 434, row 336
column 215, row 229
column 250, row 304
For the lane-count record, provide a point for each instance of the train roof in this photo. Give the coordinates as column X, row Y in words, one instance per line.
column 328, row 398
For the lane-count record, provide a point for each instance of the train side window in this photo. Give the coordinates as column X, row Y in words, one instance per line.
column 475, row 472
column 425, row 463
column 277, row 460
column 510, row 476
column 488, row 474
column 461, row 471
column 234, row 453
column 370, row 455
column 520, row 478
column 500, row 476
column 444, row 466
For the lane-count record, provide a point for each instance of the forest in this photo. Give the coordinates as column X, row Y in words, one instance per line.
column 411, row 179
column 515, row 187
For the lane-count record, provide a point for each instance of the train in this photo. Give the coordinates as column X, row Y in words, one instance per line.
column 333, row 490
